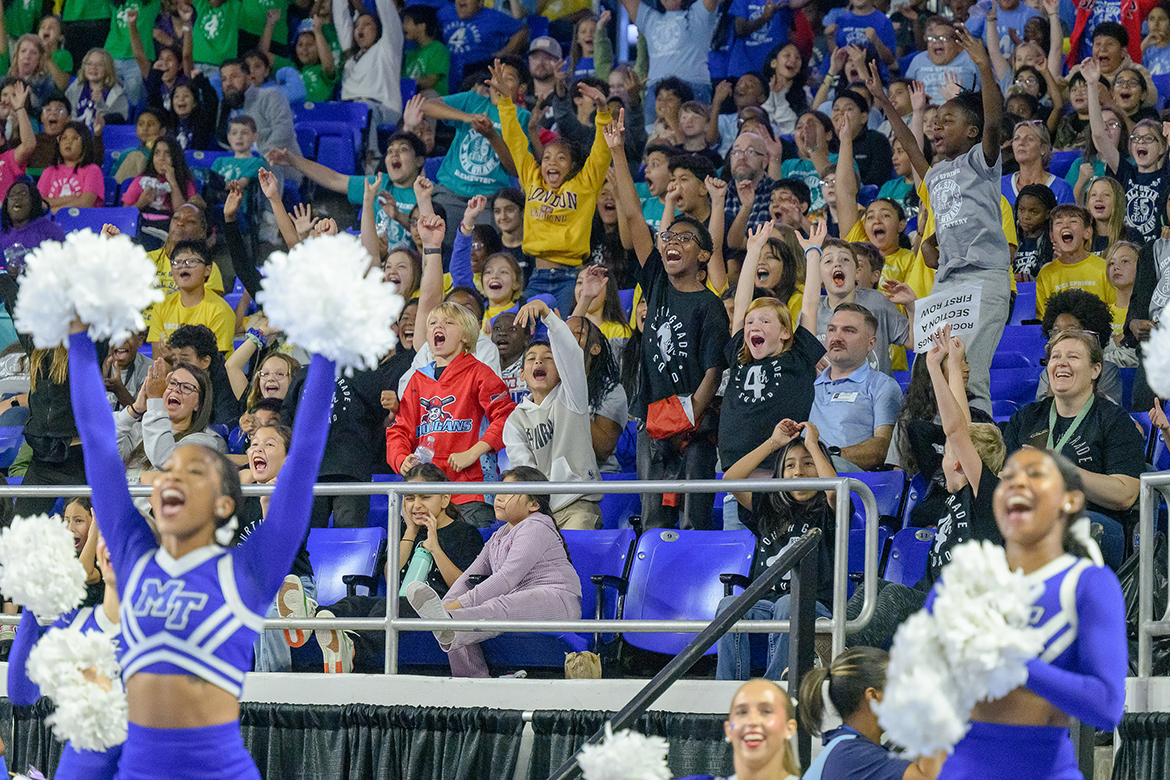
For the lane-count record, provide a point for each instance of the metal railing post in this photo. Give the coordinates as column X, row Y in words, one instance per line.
column 841, row 564
column 393, row 567
column 1146, row 577
column 802, row 638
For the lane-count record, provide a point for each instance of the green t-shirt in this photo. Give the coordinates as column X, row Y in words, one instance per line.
column 217, row 31
column 22, row 17
column 118, row 41
column 318, row 86
column 252, row 18
column 84, row 10
column 432, row 59
column 471, row 167
column 232, row 168
column 62, row 58
column 403, row 196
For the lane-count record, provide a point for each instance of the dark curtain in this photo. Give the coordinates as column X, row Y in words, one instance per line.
column 697, row 746
column 27, row 740
column 325, row 742
column 1145, row 747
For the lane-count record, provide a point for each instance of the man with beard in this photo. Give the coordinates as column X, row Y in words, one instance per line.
column 750, row 192
column 266, row 105
column 545, row 57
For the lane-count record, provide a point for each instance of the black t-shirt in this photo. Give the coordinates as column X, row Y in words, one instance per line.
column 684, row 336
column 1106, row 442
column 250, row 517
column 461, row 543
column 769, row 546
column 1032, row 254
column 874, row 157
column 763, row 392
column 966, row 517
column 1145, row 195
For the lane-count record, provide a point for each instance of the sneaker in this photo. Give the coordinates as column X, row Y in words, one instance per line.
column 291, row 602
column 336, row 647
column 429, row 607
column 7, row 637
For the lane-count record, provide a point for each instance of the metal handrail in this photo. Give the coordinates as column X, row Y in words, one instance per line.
column 1151, row 485
column 837, row 625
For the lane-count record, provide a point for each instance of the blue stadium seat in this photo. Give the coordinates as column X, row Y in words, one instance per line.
column 1025, row 308
column 1015, row 384
column 857, row 553
column 1161, row 459
column 350, row 113
column 10, row 441
column 125, row 218
column 120, row 137
column 627, row 448
column 867, row 195
column 537, row 26
column 674, row 575
column 1062, row 161
column 887, row 487
column 1143, row 421
column 307, row 140
column 201, row 159
column 431, row 167
column 618, row 509
column 336, row 552
column 235, row 441
column 1002, row 409
column 409, row 89
column 627, row 299
column 909, row 553
column 1026, row 339
column 336, row 148
column 1005, row 359
column 903, row 379
column 915, row 491
column 380, row 503
column 112, row 190
column 1162, row 85
column 111, row 162
column 1128, row 376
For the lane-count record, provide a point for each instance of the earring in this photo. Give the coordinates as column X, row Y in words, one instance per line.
column 727, row 739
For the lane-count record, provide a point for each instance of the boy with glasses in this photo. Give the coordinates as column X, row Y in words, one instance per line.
column 942, row 57
column 193, row 303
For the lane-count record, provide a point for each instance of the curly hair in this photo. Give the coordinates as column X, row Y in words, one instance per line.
column 1087, row 309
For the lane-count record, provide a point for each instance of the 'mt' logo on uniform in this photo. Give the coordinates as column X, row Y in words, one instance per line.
column 168, row 600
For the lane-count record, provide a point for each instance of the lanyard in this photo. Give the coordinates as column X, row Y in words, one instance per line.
column 1076, row 423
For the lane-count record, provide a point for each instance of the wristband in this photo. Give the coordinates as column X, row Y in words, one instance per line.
column 812, row 249
column 137, row 415
column 257, row 338
column 432, row 251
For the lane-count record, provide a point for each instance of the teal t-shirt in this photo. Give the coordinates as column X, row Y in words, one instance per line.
column 652, row 207
column 896, row 190
column 804, row 170
column 232, row 168
column 217, row 31
column 471, row 167
column 1074, row 170
column 404, row 197
column 432, row 59
column 118, row 41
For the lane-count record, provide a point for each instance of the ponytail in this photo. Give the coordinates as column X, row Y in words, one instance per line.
column 842, row 686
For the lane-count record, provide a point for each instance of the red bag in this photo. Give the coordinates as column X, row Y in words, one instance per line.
column 670, row 416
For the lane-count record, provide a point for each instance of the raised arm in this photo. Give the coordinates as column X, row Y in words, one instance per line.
column 846, row 180
column 28, row 138
column 909, row 143
column 812, row 275
column 955, row 425
column 126, row 533
column 999, row 63
column 22, row 691
column 369, row 230
column 1106, row 149
column 624, row 192
column 716, row 266
column 784, row 432
column 462, row 274
column 430, row 289
column 992, row 97
column 323, row 175
column 746, row 286
column 1055, row 39
column 343, row 23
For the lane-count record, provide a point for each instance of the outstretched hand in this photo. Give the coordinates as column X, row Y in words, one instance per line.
column 530, row 312
column 498, row 81
column 615, row 133
column 268, row 184
column 785, row 431
column 758, row 237
column 431, row 229
column 973, row 46
column 816, row 236
column 898, row 292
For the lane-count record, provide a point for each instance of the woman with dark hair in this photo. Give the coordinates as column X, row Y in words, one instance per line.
column 1078, row 310
column 596, row 298
column 75, row 179
column 25, row 223
column 172, row 407
column 1097, row 433
column 528, row 572
column 836, row 704
column 786, row 71
column 51, row 430
column 1077, row 608
column 778, row 519
column 609, row 408
column 605, row 241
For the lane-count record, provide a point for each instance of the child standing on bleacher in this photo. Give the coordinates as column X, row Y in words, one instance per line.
column 1074, row 265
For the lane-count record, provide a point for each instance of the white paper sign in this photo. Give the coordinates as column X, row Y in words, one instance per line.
column 957, row 307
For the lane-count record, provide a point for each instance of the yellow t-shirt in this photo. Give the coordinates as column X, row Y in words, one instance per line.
column 162, row 264
column 212, row 311
column 1119, row 316
column 615, row 330
column 490, row 313
column 1088, row 275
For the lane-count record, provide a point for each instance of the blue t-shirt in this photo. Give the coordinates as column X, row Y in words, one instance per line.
column 855, row 758
column 472, row 167
column 678, row 41
column 933, row 77
column 1157, row 60
column 1005, row 22
column 1060, row 188
column 474, row 39
column 851, row 31
column 748, row 54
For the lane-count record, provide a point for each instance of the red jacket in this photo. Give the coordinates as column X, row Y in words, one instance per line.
column 1133, row 13
column 452, row 410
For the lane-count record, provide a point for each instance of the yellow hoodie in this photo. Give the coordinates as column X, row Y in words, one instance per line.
column 557, row 222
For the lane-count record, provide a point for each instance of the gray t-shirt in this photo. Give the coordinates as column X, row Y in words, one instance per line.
column 677, row 41
column 893, row 327
column 614, row 406
column 964, row 195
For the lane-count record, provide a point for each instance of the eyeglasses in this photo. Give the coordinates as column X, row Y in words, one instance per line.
column 272, row 375
column 1112, row 124
column 667, row 236
column 749, row 153
column 827, row 183
column 1143, row 139
column 188, row 263
column 184, row 388
column 1028, row 81
column 937, row 39
column 1128, row 83
column 57, row 111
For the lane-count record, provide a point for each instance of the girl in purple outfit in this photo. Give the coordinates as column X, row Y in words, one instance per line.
column 529, row 577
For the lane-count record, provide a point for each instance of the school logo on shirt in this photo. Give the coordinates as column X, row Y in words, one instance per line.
column 476, row 156
column 673, row 346
column 758, row 382
column 212, row 23
column 947, row 199
column 669, row 34
column 1141, row 209
column 436, row 419
column 168, row 600
column 461, row 38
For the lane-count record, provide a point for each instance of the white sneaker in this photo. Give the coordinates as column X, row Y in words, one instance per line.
column 428, row 605
column 292, row 602
column 336, row 647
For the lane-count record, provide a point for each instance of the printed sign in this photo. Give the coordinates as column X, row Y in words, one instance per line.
column 957, row 307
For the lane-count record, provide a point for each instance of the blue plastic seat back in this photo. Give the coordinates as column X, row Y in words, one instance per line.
column 431, row 167
column 335, row 552
column 1161, row 455
column 120, row 137
column 619, row 509
column 307, row 140
column 903, row 380
column 1026, row 339
column 1010, row 359
column 627, row 447
column 627, row 299
column 915, row 491
column 599, row 552
column 1143, row 421
column 236, row 441
column 409, row 89
column 1128, row 376
column 857, row 551
column 1015, row 384
column 1002, row 409
column 125, row 218
column 337, row 151
column 380, row 502
column 1162, row 85
column 1025, row 308
column 351, row 112
column 675, row 576
column 335, row 125
column 887, row 486
column 10, row 441
column 1062, row 161
column 867, row 195
column 909, row 554
column 203, row 160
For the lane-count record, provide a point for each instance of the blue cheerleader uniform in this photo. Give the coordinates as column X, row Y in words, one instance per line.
column 198, row 615
column 1079, row 609
column 74, row 764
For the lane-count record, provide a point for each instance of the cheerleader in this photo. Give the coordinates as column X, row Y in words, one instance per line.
column 74, row 764
column 192, row 609
column 1081, row 671
column 760, row 728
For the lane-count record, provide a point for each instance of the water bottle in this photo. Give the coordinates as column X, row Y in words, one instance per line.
column 420, row 567
column 426, row 450
column 14, row 257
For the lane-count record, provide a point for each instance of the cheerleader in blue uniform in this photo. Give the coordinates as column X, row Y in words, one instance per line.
column 75, row 764
column 1079, row 609
column 192, row 609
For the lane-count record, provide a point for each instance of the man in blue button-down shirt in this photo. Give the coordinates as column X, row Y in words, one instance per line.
column 854, row 408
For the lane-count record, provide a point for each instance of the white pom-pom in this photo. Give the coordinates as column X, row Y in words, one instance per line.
column 982, row 610
column 320, row 296
column 80, row 673
column 106, row 282
column 1156, row 359
column 38, row 568
column 626, row 755
column 919, row 710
